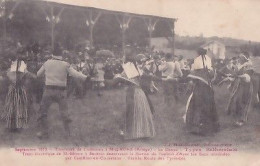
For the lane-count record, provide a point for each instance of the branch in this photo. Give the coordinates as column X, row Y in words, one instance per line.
column 61, row 12
column 96, row 19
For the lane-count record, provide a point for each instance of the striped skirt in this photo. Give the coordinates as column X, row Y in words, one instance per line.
column 240, row 103
column 139, row 119
column 16, row 108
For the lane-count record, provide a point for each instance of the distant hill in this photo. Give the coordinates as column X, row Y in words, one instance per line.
column 195, row 41
column 187, row 45
column 233, row 46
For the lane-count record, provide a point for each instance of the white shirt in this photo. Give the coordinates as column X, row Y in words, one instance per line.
column 56, row 71
column 22, row 68
column 198, row 63
column 170, row 69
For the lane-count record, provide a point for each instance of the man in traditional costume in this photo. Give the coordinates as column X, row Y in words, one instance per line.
column 170, row 73
column 55, row 71
column 201, row 114
column 240, row 102
column 88, row 69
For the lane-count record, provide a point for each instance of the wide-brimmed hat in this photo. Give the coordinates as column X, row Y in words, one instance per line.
column 140, row 58
column 201, row 51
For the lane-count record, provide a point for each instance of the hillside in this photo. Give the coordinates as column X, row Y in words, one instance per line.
column 187, row 45
column 233, row 46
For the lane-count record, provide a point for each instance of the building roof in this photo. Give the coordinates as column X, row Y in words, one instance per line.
column 131, row 10
column 213, row 41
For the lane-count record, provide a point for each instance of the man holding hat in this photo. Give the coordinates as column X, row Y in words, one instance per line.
column 170, row 72
column 55, row 71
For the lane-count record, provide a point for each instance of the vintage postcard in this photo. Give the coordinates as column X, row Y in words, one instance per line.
column 130, row 82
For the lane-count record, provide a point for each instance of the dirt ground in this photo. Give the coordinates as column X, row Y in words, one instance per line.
column 97, row 121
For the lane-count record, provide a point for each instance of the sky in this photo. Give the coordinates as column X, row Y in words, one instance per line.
column 223, row 18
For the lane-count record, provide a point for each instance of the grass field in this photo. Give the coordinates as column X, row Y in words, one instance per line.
column 98, row 120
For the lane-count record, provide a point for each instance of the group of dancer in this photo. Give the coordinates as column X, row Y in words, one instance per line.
column 201, row 115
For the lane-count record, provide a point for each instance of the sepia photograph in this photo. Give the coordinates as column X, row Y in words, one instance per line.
column 131, row 82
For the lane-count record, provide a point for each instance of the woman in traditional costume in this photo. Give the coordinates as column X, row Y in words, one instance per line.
column 17, row 101
column 139, row 119
column 201, row 114
column 240, row 102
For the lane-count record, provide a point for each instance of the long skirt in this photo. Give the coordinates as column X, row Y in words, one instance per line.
column 201, row 114
column 16, row 108
column 139, row 119
column 240, row 102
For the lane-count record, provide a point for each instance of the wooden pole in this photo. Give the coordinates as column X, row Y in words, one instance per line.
column 124, row 24
column 173, row 37
column 4, row 25
column 123, row 35
column 91, row 36
column 91, row 22
column 150, row 30
column 171, row 24
column 52, row 28
column 91, row 26
column 151, row 23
